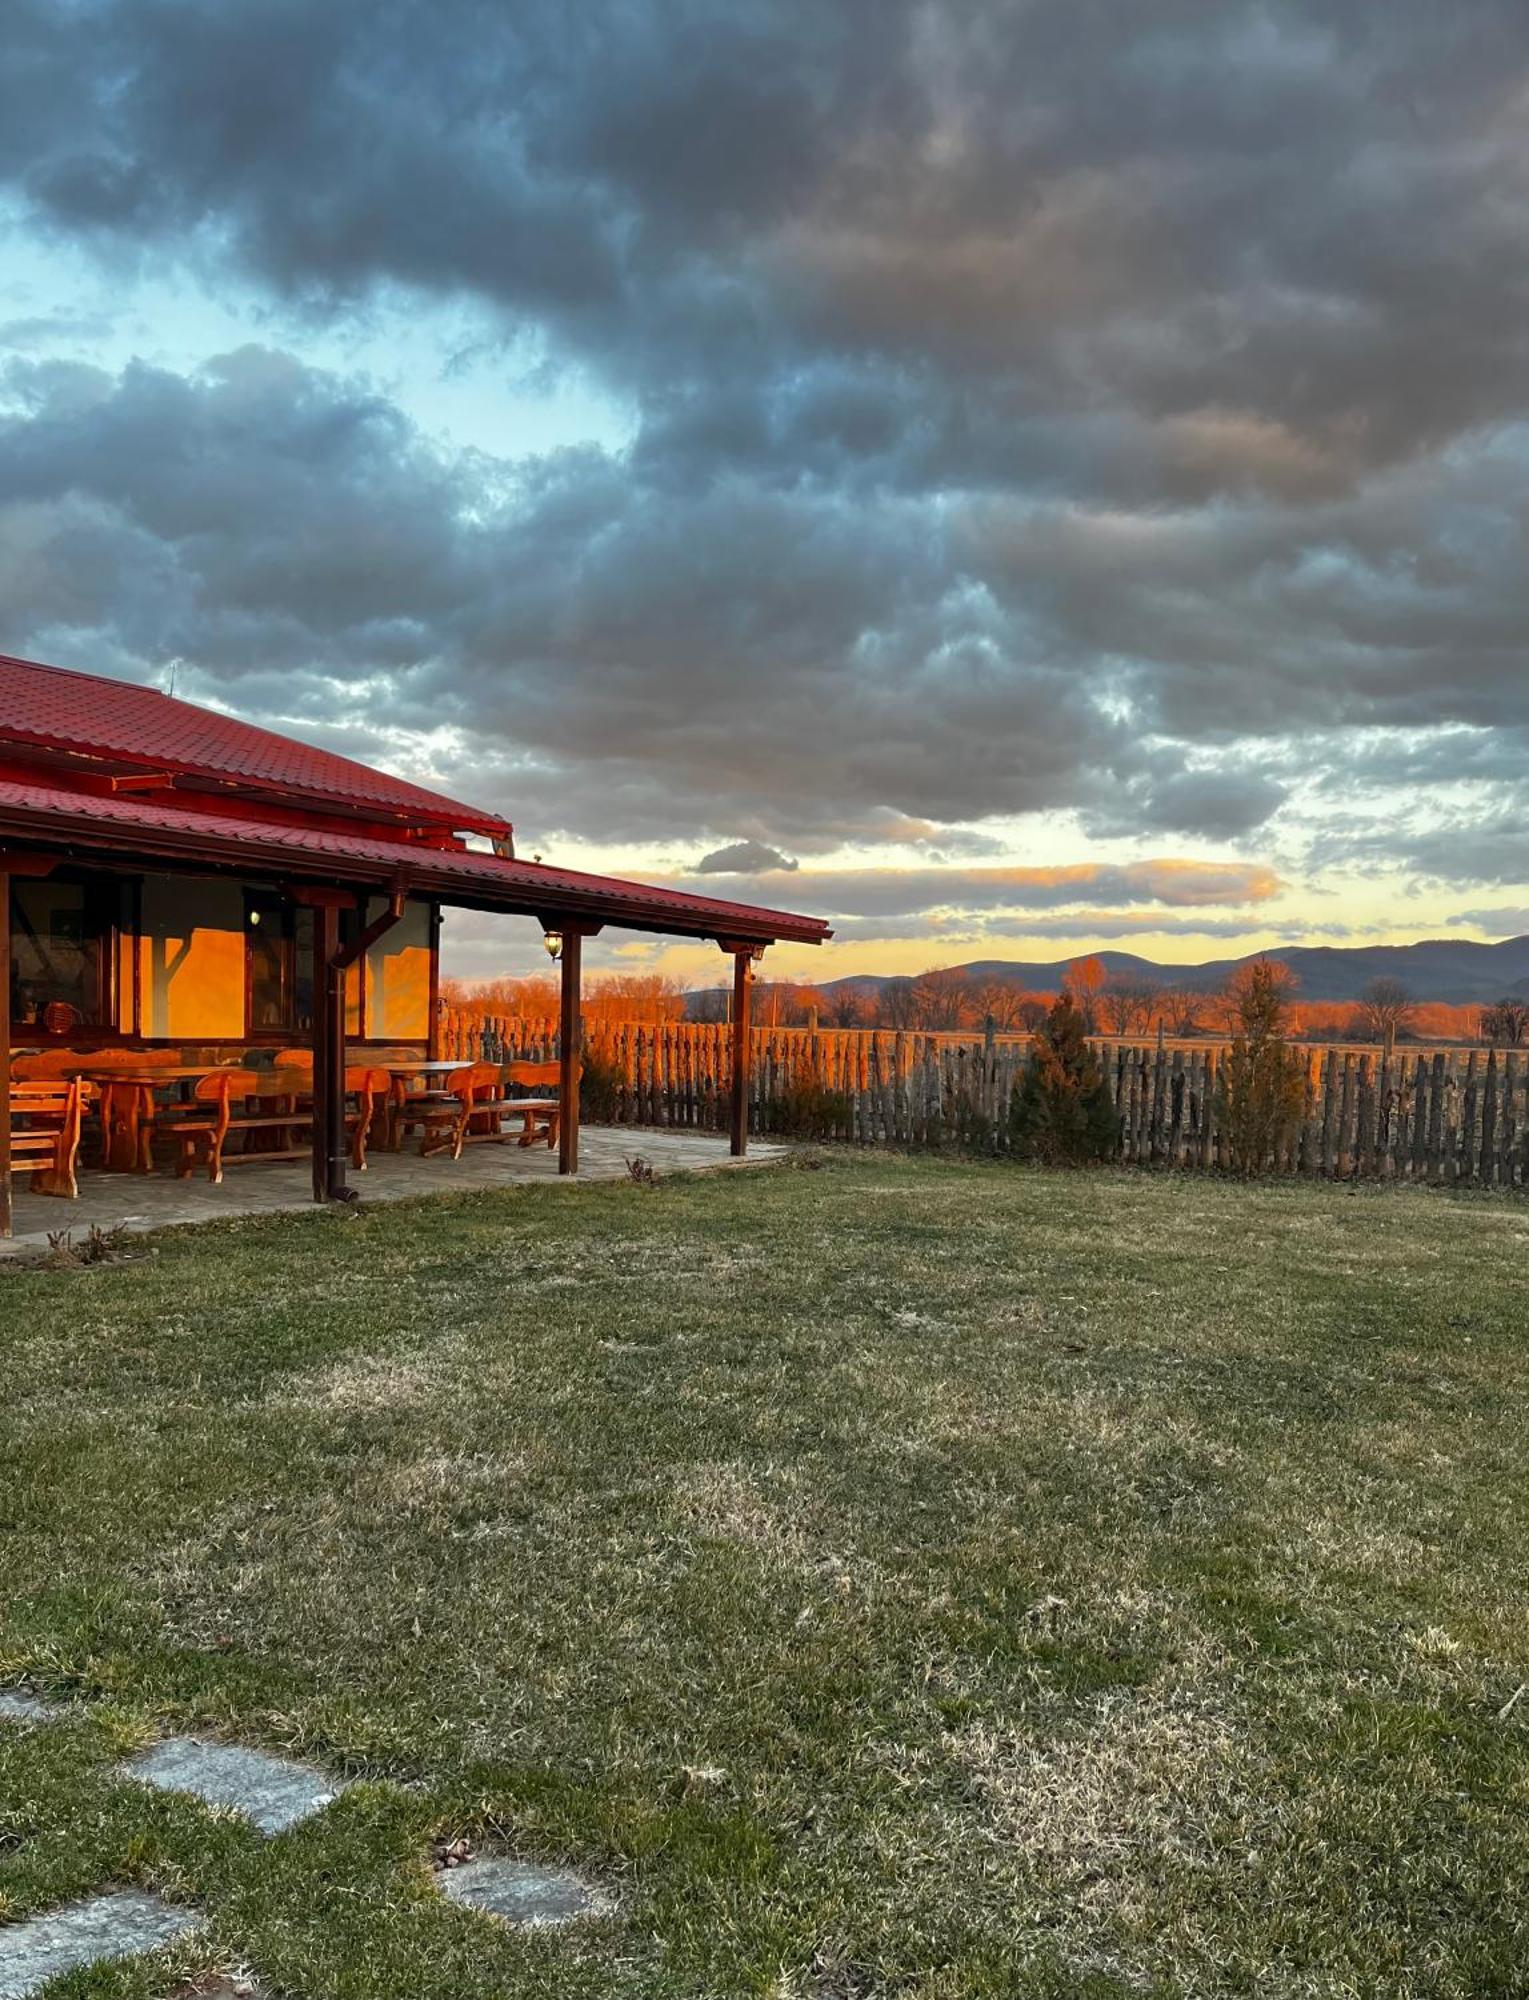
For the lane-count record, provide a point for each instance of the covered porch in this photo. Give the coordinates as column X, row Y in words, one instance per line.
column 220, row 948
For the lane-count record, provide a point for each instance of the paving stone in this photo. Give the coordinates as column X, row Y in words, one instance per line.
column 274, row 1792
column 21, row 1705
column 120, row 1924
column 522, row 1893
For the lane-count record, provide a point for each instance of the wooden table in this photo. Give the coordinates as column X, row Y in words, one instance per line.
column 127, row 1107
column 127, row 1103
column 401, row 1075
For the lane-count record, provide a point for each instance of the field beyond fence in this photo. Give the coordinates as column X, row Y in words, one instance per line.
column 1448, row 1116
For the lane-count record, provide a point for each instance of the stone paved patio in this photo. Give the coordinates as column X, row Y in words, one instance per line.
column 158, row 1201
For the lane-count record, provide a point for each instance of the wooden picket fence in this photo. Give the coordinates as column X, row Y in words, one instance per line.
column 1448, row 1116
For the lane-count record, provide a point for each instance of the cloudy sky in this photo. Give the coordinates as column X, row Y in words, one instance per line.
column 1009, row 477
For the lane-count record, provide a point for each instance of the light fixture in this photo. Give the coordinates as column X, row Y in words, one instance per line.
column 254, row 916
column 553, row 940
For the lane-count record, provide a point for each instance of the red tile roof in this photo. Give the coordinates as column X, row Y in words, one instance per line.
column 139, row 825
column 87, row 715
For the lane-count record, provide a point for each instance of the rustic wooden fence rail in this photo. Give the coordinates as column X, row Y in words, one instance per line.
column 1449, row 1116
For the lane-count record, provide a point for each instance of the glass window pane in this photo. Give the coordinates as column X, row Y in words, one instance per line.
column 269, row 935
column 191, row 959
column 57, row 932
column 398, row 973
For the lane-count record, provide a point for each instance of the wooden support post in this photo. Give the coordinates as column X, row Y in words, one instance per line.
column 570, row 1031
column 743, row 974
column 328, row 1057
column 5, row 1053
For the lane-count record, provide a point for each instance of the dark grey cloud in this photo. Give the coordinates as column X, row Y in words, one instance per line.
column 1052, row 406
column 745, row 857
column 1486, row 848
column 1506, row 921
column 1217, row 804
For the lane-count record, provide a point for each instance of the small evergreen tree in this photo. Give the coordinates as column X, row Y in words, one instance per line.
column 1262, row 1087
column 1062, row 1113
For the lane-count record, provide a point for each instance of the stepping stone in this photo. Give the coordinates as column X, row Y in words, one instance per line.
column 522, row 1893
column 273, row 1792
column 120, row 1924
column 21, row 1705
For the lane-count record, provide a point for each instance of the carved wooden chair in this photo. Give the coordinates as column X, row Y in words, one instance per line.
column 46, row 1115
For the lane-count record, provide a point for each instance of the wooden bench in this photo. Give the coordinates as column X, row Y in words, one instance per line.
column 46, row 1115
column 106, row 1105
column 250, row 1101
column 541, row 1116
column 370, row 1086
column 475, row 1104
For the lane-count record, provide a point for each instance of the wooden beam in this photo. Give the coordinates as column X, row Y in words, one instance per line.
column 328, row 1058
column 362, row 942
column 743, row 977
column 569, row 1045
column 5, row 1054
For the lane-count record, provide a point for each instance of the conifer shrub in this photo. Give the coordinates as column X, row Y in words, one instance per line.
column 1261, row 1092
column 1061, row 1113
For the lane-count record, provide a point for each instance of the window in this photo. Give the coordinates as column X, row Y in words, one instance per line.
column 279, row 953
column 279, row 959
column 60, row 934
column 189, row 975
column 398, row 976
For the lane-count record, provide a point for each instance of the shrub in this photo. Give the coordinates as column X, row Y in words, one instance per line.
column 600, row 1088
column 1262, row 1087
column 807, row 1109
column 1061, row 1112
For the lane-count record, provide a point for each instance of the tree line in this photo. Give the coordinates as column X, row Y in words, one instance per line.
column 1127, row 1005
column 949, row 1001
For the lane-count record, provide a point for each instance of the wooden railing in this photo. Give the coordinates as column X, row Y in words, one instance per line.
column 1450, row 1116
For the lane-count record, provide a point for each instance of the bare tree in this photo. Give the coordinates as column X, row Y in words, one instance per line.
column 999, row 1000
column 1506, row 1021
column 898, row 1008
column 1126, row 1004
column 1032, row 1013
column 1183, row 1010
column 942, row 1000
column 848, row 1006
column 1386, row 1008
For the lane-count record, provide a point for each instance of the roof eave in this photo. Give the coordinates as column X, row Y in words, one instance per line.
column 600, row 902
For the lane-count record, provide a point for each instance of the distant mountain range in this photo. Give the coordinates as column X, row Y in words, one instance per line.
column 1452, row 970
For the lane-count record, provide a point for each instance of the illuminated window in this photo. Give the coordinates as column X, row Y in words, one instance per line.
column 189, row 974
column 398, row 976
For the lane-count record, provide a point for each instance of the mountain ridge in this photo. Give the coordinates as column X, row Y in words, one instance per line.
column 1454, row 971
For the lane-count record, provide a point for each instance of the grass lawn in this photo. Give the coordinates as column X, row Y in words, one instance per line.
column 901, row 1577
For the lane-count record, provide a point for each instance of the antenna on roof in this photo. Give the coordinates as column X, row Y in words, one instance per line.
column 170, row 670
